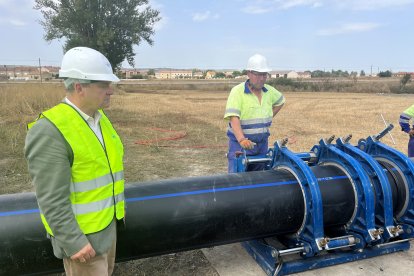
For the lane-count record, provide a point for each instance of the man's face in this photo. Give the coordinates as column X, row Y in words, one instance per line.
column 257, row 79
column 97, row 94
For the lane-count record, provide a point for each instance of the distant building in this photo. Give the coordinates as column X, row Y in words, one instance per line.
column 284, row 74
column 173, row 74
column 402, row 74
column 129, row 73
column 163, row 74
column 228, row 74
column 21, row 72
column 304, row 75
column 132, row 73
column 198, row 75
column 210, row 74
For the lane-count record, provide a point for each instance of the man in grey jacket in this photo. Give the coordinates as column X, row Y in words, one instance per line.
column 75, row 159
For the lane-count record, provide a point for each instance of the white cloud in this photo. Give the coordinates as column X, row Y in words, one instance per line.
column 371, row 4
column 153, row 4
column 17, row 22
column 11, row 5
column 348, row 28
column 265, row 6
column 5, row 2
column 199, row 17
column 156, row 5
column 162, row 23
column 17, row 13
column 12, row 21
column 287, row 4
column 255, row 10
column 317, row 4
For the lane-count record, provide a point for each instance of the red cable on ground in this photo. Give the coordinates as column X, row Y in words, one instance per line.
column 178, row 135
column 191, row 147
column 182, row 134
column 292, row 139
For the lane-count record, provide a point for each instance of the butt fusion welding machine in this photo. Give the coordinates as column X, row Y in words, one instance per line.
column 358, row 202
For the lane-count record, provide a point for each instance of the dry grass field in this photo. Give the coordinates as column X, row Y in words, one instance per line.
column 145, row 115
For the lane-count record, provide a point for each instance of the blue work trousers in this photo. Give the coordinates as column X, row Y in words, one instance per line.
column 260, row 148
column 411, row 147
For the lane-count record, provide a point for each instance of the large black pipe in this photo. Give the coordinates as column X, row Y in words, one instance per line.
column 229, row 208
column 180, row 214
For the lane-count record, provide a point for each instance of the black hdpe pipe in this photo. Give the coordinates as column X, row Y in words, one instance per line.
column 182, row 214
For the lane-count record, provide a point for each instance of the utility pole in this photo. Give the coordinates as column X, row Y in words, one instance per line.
column 40, row 71
column 371, row 70
column 7, row 75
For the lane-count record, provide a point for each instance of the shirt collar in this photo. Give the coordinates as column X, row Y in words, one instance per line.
column 96, row 117
column 247, row 89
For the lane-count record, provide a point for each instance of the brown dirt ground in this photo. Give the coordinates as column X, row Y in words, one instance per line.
column 197, row 113
column 184, row 263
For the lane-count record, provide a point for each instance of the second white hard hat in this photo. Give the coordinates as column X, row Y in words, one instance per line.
column 258, row 63
column 87, row 64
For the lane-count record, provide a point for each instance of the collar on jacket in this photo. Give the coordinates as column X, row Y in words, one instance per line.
column 247, row 89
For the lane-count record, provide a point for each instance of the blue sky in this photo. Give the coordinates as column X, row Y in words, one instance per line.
column 300, row 35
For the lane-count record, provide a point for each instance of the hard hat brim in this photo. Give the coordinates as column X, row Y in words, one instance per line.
column 79, row 75
column 260, row 70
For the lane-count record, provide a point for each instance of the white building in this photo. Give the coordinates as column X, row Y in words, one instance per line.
column 284, row 74
column 174, row 74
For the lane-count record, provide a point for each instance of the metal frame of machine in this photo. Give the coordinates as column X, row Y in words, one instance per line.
column 373, row 230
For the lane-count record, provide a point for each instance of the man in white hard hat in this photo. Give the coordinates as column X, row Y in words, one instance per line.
column 75, row 160
column 250, row 109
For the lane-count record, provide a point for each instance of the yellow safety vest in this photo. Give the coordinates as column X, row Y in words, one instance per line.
column 97, row 184
column 255, row 117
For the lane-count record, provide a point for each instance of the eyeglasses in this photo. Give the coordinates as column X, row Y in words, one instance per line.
column 102, row 84
column 259, row 74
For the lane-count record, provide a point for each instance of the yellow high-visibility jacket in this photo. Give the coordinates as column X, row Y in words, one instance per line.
column 97, row 184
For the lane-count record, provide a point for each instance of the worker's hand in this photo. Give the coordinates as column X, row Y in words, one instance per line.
column 85, row 254
column 247, row 144
column 411, row 133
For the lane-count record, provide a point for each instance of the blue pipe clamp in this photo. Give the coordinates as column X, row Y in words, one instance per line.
column 403, row 167
column 311, row 233
column 382, row 189
column 363, row 220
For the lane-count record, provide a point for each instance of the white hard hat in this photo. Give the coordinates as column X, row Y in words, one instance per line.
column 87, row 64
column 257, row 63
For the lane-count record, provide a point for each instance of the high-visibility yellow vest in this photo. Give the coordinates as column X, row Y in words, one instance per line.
column 255, row 117
column 409, row 111
column 97, row 184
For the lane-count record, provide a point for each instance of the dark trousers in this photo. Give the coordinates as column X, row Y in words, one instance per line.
column 411, row 147
column 260, row 148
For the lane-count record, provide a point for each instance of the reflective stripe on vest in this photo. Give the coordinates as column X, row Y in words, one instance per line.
column 251, row 131
column 405, row 118
column 255, row 117
column 254, row 126
column 97, row 184
column 81, row 209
